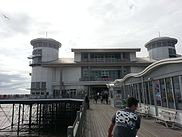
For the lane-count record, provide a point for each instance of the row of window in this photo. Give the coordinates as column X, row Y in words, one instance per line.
column 164, row 92
column 105, row 57
column 46, row 44
column 160, row 44
column 38, row 85
column 39, row 93
column 103, row 75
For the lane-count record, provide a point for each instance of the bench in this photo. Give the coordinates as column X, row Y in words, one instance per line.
column 143, row 110
column 167, row 117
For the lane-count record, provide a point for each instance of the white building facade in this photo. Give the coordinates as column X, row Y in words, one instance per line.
column 88, row 72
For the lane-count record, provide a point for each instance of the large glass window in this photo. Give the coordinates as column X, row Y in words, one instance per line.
column 151, row 92
column 122, row 93
column 127, row 91
column 146, row 93
column 85, row 73
column 163, row 93
column 169, row 93
column 177, row 92
column 105, row 57
column 43, row 86
column 100, row 74
column 157, row 92
column 84, row 56
column 37, row 85
column 126, row 56
column 140, row 92
column 133, row 91
column 33, row 85
column 136, row 91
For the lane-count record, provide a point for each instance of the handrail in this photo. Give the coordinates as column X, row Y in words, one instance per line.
column 77, row 129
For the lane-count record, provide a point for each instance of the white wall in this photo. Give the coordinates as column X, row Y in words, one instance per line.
column 136, row 69
column 71, row 74
column 159, row 53
column 40, row 74
column 49, row 54
column 77, row 57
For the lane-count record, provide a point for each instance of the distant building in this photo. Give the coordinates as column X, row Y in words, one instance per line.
column 159, row 85
column 89, row 71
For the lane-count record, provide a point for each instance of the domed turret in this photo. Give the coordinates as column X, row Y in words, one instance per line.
column 44, row 50
column 161, row 48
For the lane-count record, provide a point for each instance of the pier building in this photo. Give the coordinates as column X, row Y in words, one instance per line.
column 89, row 71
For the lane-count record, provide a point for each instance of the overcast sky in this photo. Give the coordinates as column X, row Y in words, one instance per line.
column 79, row 24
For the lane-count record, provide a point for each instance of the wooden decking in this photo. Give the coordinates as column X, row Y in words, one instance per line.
column 99, row 118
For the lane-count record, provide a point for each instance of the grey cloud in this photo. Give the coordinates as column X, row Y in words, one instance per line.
column 103, row 9
column 10, row 83
column 17, row 23
column 16, row 52
column 112, row 10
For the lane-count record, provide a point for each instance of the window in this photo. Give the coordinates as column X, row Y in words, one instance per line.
column 169, row 93
column 151, row 92
column 177, row 92
column 146, row 93
column 172, row 52
column 84, row 56
column 43, row 85
column 157, row 92
column 140, row 92
column 104, row 74
column 126, row 91
column 126, row 56
column 33, row 86
column 163, row 93
column 136, row 91
column 85, row 73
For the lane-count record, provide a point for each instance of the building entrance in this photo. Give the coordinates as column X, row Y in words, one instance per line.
column 98, row 90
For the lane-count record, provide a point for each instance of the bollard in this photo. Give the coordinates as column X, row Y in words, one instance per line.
column 70, row 131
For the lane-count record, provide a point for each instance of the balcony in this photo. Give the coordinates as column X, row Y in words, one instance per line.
column 105, row 60
column 34, row 56
column 96, row 79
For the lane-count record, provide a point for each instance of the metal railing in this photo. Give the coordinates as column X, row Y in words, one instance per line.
column 78, row 127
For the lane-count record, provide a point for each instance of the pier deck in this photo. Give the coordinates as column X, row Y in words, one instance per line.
column 99, row 118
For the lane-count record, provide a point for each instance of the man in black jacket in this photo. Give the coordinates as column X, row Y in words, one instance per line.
column 126, row 121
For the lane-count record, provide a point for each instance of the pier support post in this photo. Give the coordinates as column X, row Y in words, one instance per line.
column 37, row 117
column 30, row 117
column 40, row 117
column 23, row 111
column 12, row 116
column 19, row 112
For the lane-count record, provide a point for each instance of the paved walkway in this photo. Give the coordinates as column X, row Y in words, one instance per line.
column 99, row 118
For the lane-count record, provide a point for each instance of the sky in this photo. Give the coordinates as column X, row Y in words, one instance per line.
column 79, row 24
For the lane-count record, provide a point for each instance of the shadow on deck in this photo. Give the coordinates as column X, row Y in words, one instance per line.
column 99, row 118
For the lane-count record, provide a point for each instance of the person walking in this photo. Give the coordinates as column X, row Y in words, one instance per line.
column 96, row 98
column 87, row 102
column 125, row 121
